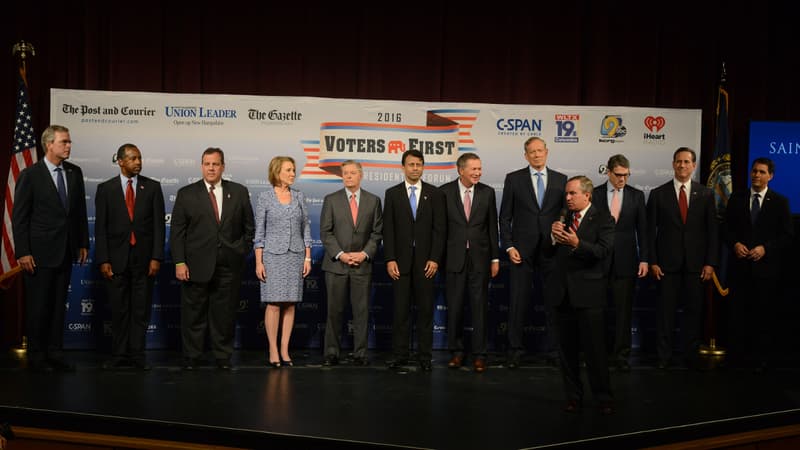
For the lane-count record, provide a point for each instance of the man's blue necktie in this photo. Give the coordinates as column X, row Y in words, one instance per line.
column 62, row 188
column 539, row 188
column 413, row 199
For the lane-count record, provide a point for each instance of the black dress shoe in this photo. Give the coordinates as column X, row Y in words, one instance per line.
column 426, row 366
column 116, row 363
column 606, row 408
column 288, row 363
column 663, row 365
column 140, row 364
column 572, row 406
column 360, row 361
column 623, row 365
column 61, row 365
column 330, row 361
column 513, row 361
column 40, row 366
column 189, row 364
column 223, row 364
column 274, row 364
column 396, row 364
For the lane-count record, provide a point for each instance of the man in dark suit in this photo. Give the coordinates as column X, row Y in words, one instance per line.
column 577, row 289
column 350, row 227
column 212, row 232
column 472, row 257
column 414, row 225
column 629, row 259
column 129, row 248
column 758, row 227
column 51, row 230
column 684, row 237
column 532, row 200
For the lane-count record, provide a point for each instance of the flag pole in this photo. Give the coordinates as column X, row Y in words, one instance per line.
column 22, row 50
column 720, row 172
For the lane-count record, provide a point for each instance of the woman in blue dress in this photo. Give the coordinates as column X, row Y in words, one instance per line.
column 283, row 255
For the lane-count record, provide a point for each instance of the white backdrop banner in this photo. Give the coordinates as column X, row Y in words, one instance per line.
column 172, row 130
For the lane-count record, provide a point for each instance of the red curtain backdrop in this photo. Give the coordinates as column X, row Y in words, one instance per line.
column 662, row 54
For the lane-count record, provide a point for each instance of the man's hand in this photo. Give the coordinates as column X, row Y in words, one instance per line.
column 393, row 270
column 656, row 272
column 740, row 250
column 514, row 256
column 27, row 263
column 495, row 268
column 757, row 253
column 155, row 266
column 83, row 255
column 182, row 272
column 106, row 271
column 707, row 273
column 430, row 268
column 642, row 270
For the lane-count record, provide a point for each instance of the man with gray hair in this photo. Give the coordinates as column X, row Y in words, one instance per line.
column 579, row 247
column 51, row 231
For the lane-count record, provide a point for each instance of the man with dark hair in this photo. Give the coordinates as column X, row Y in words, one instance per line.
column 758, row 229
column 129, row 248
column 414, row 225
column 472, row 258
column 576, row 290
column 683, row 232
column 51, row 231
column 533, row 197
column 628, row 261
column 212, row 233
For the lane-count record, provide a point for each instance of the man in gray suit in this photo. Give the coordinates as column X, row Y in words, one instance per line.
column 350, row 228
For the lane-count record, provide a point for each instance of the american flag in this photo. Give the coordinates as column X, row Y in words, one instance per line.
column 23, row 154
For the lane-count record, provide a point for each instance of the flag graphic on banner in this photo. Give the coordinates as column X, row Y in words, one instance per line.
column 23, row 154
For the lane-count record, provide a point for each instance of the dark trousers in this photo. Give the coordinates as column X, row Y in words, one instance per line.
column 684, row 289
column 522, row 278
column 130, row 294
column 583, row 330
column 45, row 300
column 352, row 288
column 752, row 318
column 210, row 308
column 621, row 289
column 413, row 289
column 475, row 287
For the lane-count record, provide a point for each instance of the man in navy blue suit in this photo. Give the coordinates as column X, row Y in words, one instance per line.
column 414, row 225
column 129, row 247
column 533, row 198
column 684, row 248
column 628, row 261
column 758, row 229
column 51, row 231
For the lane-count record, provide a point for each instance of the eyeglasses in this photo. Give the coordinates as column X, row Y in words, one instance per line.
column 621, row 175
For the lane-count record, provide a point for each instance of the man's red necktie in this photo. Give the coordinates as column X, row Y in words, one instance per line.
column 130, row 201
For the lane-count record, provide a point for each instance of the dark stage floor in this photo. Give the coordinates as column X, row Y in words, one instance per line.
column 309, row 406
